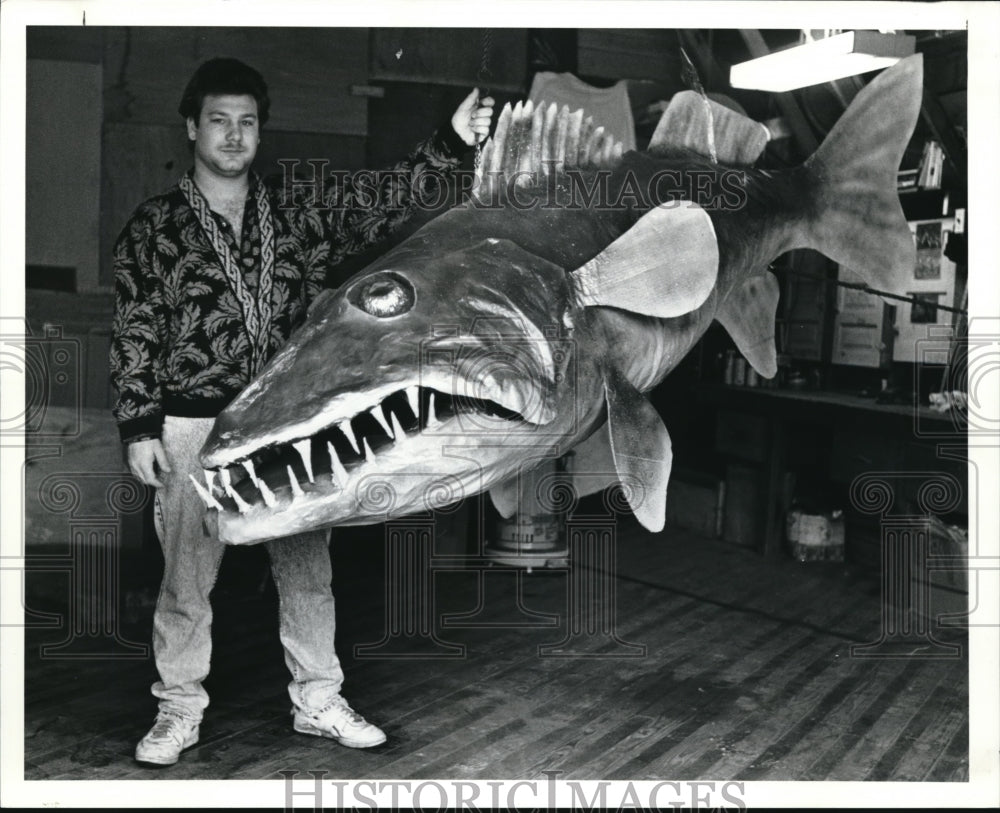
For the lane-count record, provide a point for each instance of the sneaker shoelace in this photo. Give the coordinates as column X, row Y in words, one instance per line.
column 167, row 727
column 350, row 713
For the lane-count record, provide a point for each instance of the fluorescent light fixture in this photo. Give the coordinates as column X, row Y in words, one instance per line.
column 822, row 60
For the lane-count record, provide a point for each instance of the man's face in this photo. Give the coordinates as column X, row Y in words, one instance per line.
column 226, row 134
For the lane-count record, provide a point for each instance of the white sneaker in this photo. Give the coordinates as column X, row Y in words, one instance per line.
column 166, row 739
column 341, row 723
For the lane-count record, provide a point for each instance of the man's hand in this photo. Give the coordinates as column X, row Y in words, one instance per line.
column 472, row 119
column 146, row 458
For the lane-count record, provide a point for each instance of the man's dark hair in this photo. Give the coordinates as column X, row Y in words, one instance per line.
column 224, row 77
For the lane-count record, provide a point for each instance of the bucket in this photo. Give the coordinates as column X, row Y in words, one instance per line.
column 535, row 535
column 816, row 537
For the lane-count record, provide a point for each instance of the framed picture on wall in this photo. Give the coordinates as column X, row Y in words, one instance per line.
column 858, row 325
column 923, row 330
column 929, row 249
column 925, row 310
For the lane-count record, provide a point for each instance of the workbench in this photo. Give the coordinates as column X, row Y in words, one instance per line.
column 849, row 440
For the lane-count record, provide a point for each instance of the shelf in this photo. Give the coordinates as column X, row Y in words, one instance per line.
column 927, row 204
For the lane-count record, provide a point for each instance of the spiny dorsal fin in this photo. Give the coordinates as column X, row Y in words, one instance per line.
column 685, row 123
column 531, row 142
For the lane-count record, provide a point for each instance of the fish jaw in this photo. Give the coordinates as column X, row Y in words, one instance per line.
column 399, row 438
column 425, row 396
column 417, row 471
column 418, row 445
column 252, row 423
column 357, row 473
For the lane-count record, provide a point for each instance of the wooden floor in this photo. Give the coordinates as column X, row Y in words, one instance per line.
column 722, row 666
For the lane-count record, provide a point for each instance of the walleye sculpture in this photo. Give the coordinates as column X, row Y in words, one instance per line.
column 530, row 320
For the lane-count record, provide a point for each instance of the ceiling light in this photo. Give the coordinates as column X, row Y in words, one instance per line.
column 822, row 60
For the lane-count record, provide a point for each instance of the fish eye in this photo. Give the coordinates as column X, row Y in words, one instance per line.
column 384, row 295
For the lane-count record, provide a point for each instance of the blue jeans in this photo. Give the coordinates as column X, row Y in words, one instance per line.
column 182, row 621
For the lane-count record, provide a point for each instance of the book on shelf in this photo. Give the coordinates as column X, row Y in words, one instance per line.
column 906, row 179
column 931, row 165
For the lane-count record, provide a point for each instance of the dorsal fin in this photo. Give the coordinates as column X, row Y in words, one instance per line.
column 685, row 123
column 530, row 142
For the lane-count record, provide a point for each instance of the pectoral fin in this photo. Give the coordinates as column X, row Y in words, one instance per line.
column 505, row 497
column 664, row 266
column 592, row 464
column 748, row 316
column 641, row 449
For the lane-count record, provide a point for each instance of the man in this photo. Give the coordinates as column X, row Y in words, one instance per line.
column 211, row 278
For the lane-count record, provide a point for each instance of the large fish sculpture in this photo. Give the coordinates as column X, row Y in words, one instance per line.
column 529, row 320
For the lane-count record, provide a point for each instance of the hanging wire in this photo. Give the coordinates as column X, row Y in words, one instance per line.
column 860, row 286
column 483, row 78
column 689, row 75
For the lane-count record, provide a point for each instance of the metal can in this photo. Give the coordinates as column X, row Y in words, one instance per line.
column 739, row 371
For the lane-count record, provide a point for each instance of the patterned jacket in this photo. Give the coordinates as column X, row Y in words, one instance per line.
column 186, row 337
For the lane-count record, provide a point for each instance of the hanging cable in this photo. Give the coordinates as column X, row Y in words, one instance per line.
column 689, row 75
column 860, row 286
column 483, row 78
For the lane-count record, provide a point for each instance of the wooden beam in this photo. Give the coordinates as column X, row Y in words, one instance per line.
column 786, row 101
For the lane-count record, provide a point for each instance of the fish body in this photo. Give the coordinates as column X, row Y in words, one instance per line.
column 530, row 321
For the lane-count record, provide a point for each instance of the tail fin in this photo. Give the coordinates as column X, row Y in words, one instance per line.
column 859, row 221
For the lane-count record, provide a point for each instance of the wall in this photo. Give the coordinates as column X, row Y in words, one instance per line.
column 140, row 74
column 646, row 54
column 450, row 56
column 63, row 155
column 310, row 73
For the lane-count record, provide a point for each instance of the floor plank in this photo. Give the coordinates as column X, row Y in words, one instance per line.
column 746, row 674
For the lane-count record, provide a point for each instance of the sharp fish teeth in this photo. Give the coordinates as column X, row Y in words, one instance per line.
column 206, row 496
column 210, row 479
column 241, row 504
column 345, row 427
column 337, row 471
column 296, row 488
column 489, row 386
column 225, row 479
column 413, row 396
column 376, row 413
column 369, row 454
column 432, row 419
column 399, row 432
column 304, row 448
column 248, row 465
column 269, row 499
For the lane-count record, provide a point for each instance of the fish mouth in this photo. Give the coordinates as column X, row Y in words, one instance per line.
column 304, row 479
